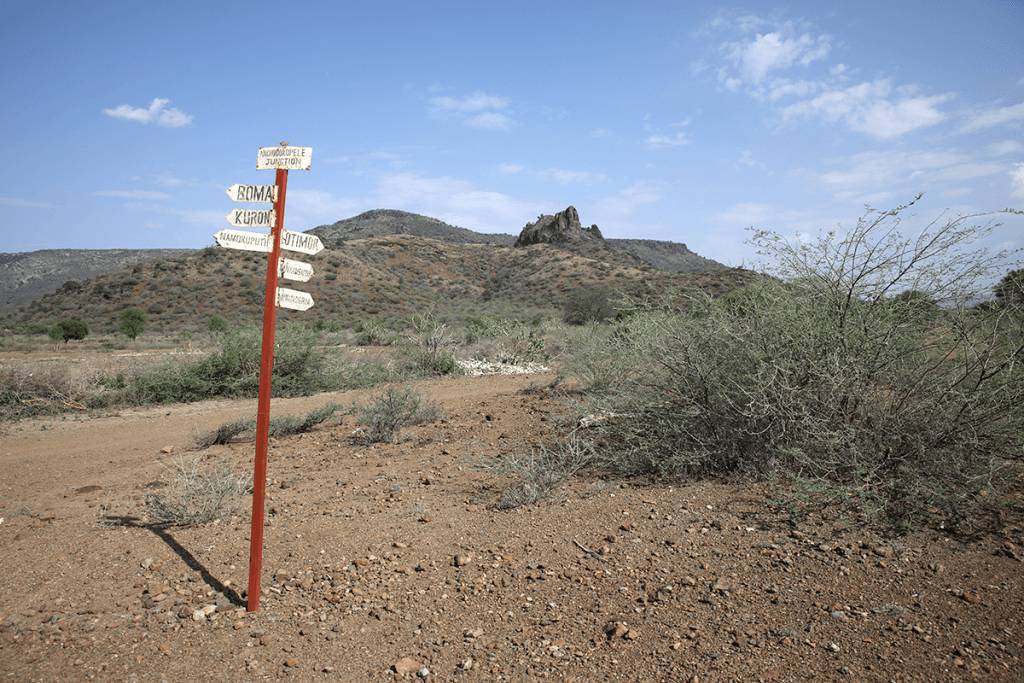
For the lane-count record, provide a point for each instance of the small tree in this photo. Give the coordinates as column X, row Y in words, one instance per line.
column 69, row 329
column 133, row 322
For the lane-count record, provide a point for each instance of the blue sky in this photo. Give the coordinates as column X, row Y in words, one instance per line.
column 126, row 121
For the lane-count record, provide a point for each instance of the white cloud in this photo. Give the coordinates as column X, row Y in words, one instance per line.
column 489, row 121
column 459, row 202
column 989, row 118
column 133, row 194
column 600, row 133
column 171, row 181
column 509, row 169
column 998, row 149
column 870, row 172
column 869, row 108
column 662, row 141
column 477, row 101
column 745, row 214
column 24, row 203
column 747, row 160
column 473, row 110
column 323, row 207
column 157, row 113
column 1017, row 180
column 755, row 58
column 626, row 202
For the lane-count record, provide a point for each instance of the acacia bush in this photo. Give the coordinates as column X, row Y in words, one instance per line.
column 828, row 376
column 68, row 329
column 233, row 370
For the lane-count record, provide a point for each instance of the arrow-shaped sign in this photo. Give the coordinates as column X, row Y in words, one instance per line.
column 293, row 299
column 252, row 218
column 253, row 193
column 300, row 241
column 296, row 270
column 246, row 241
column 288, row 158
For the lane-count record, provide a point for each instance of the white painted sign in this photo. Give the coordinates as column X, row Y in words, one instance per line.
column 296, row 270
column 252, row 218
column 246, row 241
column 253, row 193
column 293, row 299
column 300, row 241
column 288, row 158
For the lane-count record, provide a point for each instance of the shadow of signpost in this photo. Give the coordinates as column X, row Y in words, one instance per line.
column 190, row 560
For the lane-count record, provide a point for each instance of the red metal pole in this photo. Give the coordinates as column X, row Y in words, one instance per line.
column 259, row 480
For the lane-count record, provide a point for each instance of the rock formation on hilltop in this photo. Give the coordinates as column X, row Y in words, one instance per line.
column 562, row 228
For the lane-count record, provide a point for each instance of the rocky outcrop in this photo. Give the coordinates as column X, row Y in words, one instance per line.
column 562, row 228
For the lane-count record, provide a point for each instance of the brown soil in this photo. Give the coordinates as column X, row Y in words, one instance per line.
column 394, row 558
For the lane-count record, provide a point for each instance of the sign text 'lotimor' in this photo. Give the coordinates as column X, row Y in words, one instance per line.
column 300, row 241
column 253, row 193
column 252, row 218
column 288, row 158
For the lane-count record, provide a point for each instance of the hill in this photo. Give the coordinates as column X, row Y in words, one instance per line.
column 387, row 277
column 380, row 222
column 30, row 275
column 382, row 263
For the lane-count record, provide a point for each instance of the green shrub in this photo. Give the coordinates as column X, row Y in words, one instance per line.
column 32, row 328
column 431, row 345
column 587, row 304
column 133, row 322
column 216, row 323
column 234, row 369
column 388, row 412
column 826, row 377
column 68, row 329
column 1010, row 290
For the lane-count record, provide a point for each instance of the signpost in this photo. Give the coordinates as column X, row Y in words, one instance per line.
column 252, row 218
column 253, row 193
column 282, row 159
column 300, row 241
column 296, row 270
column 295, row 300
column 247, row 241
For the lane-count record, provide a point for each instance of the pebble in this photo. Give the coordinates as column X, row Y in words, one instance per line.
column 406, row 665
column 840, row 615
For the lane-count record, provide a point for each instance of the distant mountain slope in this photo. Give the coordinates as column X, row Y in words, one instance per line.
column 381, row 222
column 666, row 255
column 29, row 275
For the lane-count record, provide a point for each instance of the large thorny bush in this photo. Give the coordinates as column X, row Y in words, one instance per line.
column 830, row 376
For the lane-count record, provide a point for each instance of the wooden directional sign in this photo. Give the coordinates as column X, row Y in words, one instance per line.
column 293, row 299
column 246, row 241
column 253, row 193
column 300, row 241
column 296, row 270
column 252, row 218
column 288, row 158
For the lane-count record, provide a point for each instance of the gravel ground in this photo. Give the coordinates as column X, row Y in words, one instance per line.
column 392, row 562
